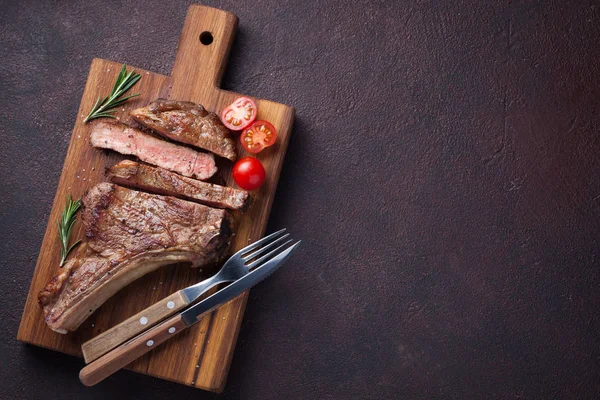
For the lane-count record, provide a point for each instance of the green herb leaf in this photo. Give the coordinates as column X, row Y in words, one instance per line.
column 65, row 226
column 106, row 107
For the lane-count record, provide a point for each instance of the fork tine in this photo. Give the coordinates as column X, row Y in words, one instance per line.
column 266, row 247
column 254, row 245
column 268, row 255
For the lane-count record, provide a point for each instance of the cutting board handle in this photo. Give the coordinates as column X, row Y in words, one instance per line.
column 204, row 47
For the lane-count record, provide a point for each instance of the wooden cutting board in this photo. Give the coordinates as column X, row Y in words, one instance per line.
column 201, row 356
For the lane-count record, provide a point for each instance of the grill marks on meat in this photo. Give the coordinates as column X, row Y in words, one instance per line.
column 189, row 123
column 126, row 140
column 129, row 234
column 158, row 180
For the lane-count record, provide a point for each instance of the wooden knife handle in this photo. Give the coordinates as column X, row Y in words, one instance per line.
column 113, row 361
column 131, row 327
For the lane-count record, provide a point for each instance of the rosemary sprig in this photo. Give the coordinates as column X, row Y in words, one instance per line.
column 105, row 107
column 65, row 225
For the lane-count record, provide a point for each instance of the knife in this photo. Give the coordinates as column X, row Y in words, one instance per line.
column 119, row 357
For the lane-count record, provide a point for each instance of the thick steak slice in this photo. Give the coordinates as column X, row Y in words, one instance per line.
column 187, row 122
column 157, row 180
column 129, row 234
column 126, row 140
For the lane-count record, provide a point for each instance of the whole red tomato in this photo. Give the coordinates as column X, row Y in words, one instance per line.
column 249, row 173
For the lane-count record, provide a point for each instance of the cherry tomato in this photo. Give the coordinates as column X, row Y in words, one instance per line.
column 257, row 136
column 249, row 173
column 239, row 114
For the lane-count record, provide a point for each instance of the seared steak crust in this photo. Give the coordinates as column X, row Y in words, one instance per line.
column 127, row 140
column 158, row 180
column 129, row 234
column 189, row 123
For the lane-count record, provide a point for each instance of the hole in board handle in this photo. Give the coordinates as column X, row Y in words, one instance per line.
column 206, row 38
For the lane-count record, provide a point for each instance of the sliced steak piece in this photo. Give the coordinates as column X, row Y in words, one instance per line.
column 187, row 122
column 129, row 234
column 158, row 180
column 126, row 140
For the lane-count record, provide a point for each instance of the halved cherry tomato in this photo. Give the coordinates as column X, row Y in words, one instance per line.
column 239, row 114
column 249, row 173
column 257, row 136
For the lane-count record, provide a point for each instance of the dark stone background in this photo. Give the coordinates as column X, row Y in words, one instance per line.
column 443, row 174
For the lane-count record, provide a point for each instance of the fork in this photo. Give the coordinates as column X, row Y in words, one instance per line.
column 234, row 268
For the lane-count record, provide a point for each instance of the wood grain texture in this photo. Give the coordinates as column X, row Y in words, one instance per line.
column 196, row 74
column 132, row 326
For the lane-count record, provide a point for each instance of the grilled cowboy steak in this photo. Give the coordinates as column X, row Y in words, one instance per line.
column 126, row 140
column 129, row 234
column 158, row 180
column 189, row 123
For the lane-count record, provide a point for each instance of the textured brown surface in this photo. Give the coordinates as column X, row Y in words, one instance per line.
column 470, row 266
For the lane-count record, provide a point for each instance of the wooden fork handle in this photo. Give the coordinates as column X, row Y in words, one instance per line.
column 131, row 327
column 113, row 361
